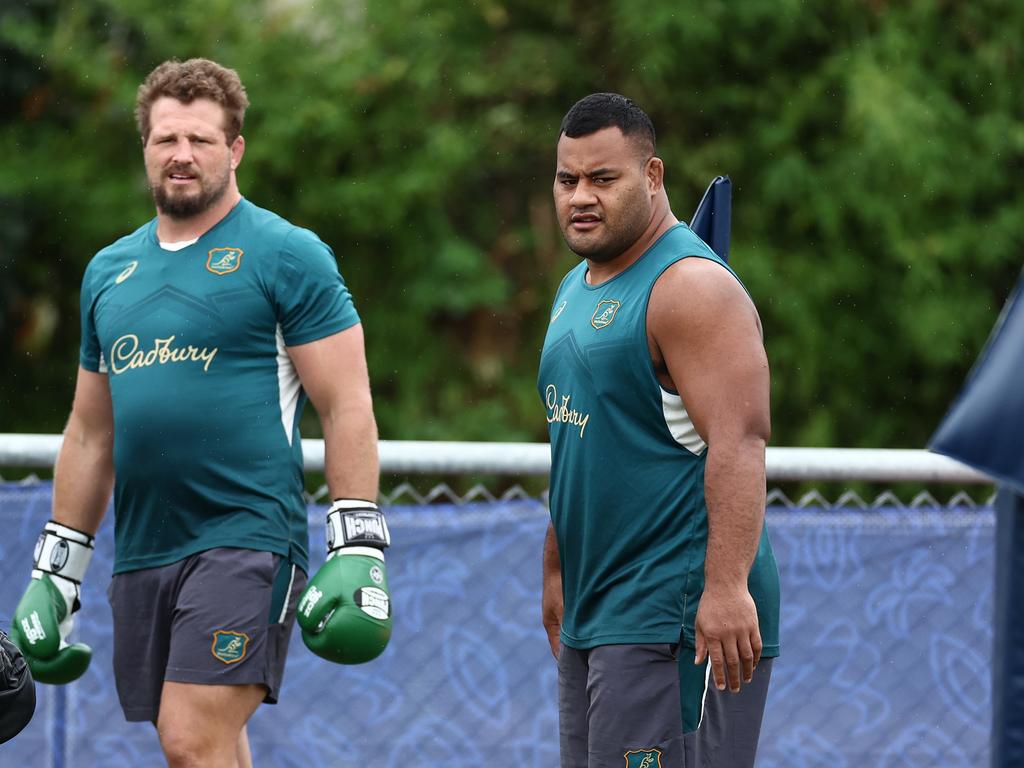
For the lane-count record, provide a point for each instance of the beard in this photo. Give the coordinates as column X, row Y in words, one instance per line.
column 184, row 204
column 615, row 234
column 610, row 241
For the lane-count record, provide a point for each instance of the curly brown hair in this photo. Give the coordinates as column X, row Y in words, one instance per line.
column 187, row 81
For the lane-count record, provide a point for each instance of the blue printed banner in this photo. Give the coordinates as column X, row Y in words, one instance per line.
column 886, row 635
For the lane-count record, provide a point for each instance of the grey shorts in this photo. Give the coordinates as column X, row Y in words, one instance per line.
column 648, row 706
column 219, row 617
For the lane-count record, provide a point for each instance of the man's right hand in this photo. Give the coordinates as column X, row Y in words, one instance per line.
column 551, row 609
column 44, row 618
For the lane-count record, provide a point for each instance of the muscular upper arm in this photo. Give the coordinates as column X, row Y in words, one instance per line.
column 92, row 413
column 705, row 334
column 333, row 371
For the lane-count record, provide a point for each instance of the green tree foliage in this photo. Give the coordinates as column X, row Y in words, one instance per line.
column 875, row 149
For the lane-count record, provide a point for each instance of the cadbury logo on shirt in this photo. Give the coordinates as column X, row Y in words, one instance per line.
column 126, row 353
column 560, row 412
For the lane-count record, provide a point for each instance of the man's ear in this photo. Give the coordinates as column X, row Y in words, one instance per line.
column 237, row 151
column 655, row 173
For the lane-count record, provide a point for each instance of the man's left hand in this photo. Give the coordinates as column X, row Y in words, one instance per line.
column 345, row 610
column 727, row 631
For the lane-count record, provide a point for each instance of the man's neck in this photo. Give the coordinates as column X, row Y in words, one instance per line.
column 173, row 230
column 600, row 272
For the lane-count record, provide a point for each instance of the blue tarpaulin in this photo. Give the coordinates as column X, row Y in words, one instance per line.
column 886, row 642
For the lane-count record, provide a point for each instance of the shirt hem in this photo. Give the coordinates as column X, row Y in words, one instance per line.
column 768, row 651
column 159, row 560
column 630, row 638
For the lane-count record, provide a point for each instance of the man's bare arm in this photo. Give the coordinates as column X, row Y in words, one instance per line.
column 334, row 374
column 84, row 473
column 707, row 331
column 551, row 591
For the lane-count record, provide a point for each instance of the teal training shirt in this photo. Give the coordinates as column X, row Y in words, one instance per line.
column 206, row 401
column 627, row 468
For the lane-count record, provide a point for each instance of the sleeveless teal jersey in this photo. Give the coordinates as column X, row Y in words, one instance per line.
column 627, row 467
column 206, row 401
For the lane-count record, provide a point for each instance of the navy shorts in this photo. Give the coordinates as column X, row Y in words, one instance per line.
column 219, row 617
column 648, row 706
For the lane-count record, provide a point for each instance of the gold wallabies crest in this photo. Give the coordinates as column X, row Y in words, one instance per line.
column 228, row 646
column 604, row 315
column 222, row 261
column 643, row 758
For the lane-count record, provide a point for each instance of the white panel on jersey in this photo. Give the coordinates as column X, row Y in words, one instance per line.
column 288, row 386
column 679, row 423
column 103, row 365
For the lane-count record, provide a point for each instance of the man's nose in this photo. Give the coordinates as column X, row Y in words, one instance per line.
column 182, row 151
column 583, row 195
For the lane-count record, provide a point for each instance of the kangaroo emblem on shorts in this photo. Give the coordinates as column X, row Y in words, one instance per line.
column 643, row 758
column 221, row 261
column 604, row 315
column 229, row 647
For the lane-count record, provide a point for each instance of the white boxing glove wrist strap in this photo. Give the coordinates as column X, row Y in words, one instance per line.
column 355, row 523
column 63, row 551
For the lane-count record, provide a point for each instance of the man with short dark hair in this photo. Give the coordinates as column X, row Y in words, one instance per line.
column 203, row 334
column 658, row 571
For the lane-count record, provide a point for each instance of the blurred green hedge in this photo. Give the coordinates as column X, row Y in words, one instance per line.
column 875, row 147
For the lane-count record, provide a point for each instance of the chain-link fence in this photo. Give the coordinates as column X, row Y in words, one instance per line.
column 416, row 491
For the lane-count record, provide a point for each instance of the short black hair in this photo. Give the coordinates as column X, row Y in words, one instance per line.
column 606, row 110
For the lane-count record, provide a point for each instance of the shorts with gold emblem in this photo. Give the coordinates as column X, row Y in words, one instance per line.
column 218, row 617
column 649, row 706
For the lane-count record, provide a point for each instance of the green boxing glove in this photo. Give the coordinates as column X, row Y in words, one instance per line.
column 345, row 610
column 44, row 618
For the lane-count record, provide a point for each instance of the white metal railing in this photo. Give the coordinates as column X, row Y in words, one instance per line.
column 887, row 465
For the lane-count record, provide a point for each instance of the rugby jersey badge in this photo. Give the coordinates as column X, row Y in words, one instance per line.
column 229, row 647
column 643, row 758
column 604, row 315
column 222, row 261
